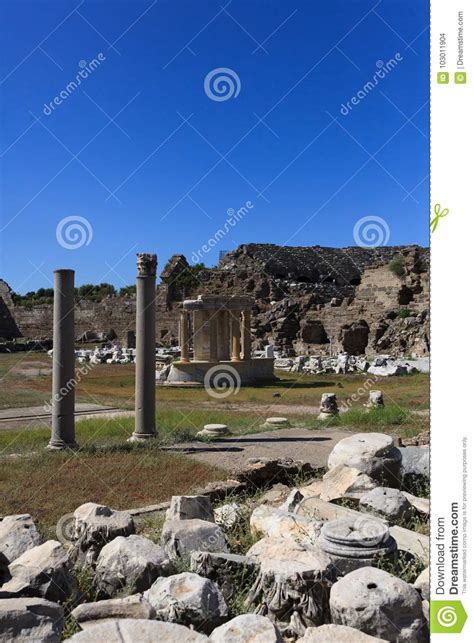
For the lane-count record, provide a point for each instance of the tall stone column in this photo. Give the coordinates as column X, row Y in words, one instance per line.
column 246, row 335
column 184, row 336
column 223, row 338
column 235, row 335
column 63, row 434
column 201, row 336
column 145, row 351
column 213, row 348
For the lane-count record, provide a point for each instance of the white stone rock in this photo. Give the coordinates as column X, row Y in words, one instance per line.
column 328, row 407
column 188, row 599
column 133, row 562
column 214, row 431
column 422, row 584
column 336, row 634
column 415, row 461
column 137, row 631
column 275, row 523
column 247, row 628
column 96, row 525
column 276, row 422
column 30, row 619
column 345, row 482
column 43, row 571
column 135, row 606
column 386, row 503
column 291, row 503
column 375, row 400
column 18, row 533
column 228, row 515
column 370, row 453
column 181, row 537
column 190, row 507
column 377, row 603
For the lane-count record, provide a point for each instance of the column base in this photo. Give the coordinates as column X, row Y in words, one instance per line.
column 59, row 445
column 141, row 437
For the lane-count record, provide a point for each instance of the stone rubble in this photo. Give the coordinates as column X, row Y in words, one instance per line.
column 247, row 628
column 18, row 533
column 190, row 507
column 135, row 606
column 30, row 619
column 179, row 538
column 388, row 503
column 96, row 525
column 132, row 630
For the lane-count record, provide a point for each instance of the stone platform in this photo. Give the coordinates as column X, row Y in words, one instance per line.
column 218, row 374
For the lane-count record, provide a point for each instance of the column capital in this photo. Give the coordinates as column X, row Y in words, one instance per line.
column 146, row 264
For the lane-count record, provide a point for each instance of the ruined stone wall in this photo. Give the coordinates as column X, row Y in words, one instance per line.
column 308, row 300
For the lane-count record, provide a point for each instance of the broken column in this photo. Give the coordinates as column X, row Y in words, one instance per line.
column 63, row 434
column 145, row 351
column 328, row 406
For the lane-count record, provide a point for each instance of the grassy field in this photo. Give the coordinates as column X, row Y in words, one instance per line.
column 110, row 471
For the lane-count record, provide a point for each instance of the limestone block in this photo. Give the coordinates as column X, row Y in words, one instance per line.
column 18, row 533
column 247, row 628
column 190, row 507
column 386, row 503
column 336, row 634
column 228, row 515
column 377, row 603
column 135, row 606
column 345, row 482
column 181, row 537
column 188, row 599
column 96, row 525
column 133, row 563
column 422, row 584
column 275, row 523
column 130, row 631
column 30, row 619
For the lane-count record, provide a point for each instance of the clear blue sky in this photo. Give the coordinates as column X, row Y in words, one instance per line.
column 147, row 180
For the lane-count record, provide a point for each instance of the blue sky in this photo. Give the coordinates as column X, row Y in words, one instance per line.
column 152, row 162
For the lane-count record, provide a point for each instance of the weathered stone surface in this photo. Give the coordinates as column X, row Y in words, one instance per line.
column 190, row 507
column 275, row 496
column 292, row 586
column 345, row 482
column 377, row 603
column 247, row 628
column 260, row 470
column 375, row 400
column 421, row 505
column 222, row 568
column 30, row 619
column 355, row 543
column 18, row 533
column 188, row 599
column 370, row 453
column 135, row 606
column 96, row 525
column 328, row 407
column 275, row 523
column 422, row 584
column 43, row 571
column 228, row 515
column 131, row 631
column 386, row 503
column 181, row 537
column 291, row 503
column 415, row 461
column 336, row 634
column 133, row 562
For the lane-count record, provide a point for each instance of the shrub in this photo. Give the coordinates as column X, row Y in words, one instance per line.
column 406, row 312
column 397, row 266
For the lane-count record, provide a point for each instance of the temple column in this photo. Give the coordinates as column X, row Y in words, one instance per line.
column 235, row 335
column 63, row 393
column 145, row 363
column 246, row 335
column 223, row 337
column 212, row 325
column 184, row 336
column 200, row 336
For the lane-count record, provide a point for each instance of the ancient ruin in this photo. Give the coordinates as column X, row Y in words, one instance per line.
column 218, row 328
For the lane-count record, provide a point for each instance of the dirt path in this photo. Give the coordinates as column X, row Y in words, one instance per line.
column 234, row 451
column 36, row 416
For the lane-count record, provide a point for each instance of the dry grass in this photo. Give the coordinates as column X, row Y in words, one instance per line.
column 50, row 485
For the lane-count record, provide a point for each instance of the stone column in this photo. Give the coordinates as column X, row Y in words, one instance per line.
column 223, row 339
column 200, row 336
column 246, row 336
column 184, row 336
column 62, row 434
column 212, row 322
column 145, row 351
column 235, row 335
